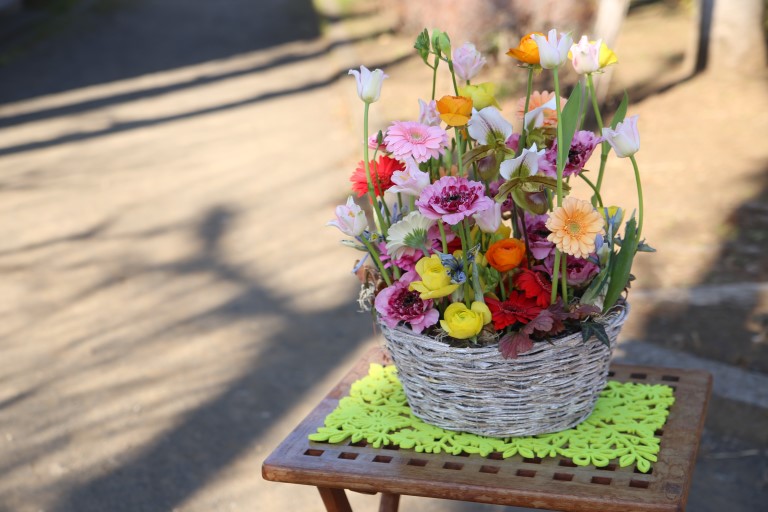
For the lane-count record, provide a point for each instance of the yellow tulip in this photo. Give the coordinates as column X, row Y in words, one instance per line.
column 482, row 95
column 607, row 57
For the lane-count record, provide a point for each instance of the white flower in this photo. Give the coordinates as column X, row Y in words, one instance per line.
column 428, row 113
column 528, row 158
column 535, row 118
column 350, row 218
column 625, row 139
column 487, row 125
column 368, row 83
column 408, row 234
column 489, row 220
column 410, row 181
column 553, row 51
column 585, row 56
column 467, row 61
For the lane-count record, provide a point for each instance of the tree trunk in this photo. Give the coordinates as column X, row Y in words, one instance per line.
column 737, row 41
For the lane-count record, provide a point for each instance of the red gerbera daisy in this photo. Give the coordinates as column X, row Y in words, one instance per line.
column 535, row 285
column 381, row 172
column 517, row 308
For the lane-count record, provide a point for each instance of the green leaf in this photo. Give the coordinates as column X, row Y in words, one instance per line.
column 477, row 153
column 644, row 247
column 422, row 46
column 589, row 329
column 621, row 111
column 622, row 265
column 570, row 120
column 596, row 287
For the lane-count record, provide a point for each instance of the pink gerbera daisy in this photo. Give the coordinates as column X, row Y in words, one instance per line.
column 409, row 139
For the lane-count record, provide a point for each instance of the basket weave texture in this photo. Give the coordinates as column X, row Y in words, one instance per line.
column 552, row 387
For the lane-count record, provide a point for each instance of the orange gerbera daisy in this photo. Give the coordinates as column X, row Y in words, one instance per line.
column 574, row 226
column 538, row 98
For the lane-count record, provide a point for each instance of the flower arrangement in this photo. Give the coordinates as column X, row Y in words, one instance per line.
column 474, row 236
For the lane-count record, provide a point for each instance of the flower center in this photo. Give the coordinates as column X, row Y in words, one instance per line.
column 416, row 136
column 574, row 228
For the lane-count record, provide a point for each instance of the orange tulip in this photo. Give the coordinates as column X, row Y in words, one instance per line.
column 455, row 110
column 505, row 254
column 527, row 51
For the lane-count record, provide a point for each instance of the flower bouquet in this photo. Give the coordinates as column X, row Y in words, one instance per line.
column 499, row 293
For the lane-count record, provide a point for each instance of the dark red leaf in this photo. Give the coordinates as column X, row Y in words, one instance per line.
column 514, row 344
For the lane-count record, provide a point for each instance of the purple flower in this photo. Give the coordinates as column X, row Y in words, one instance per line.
column 397, row 304
column 583, row 144
column 535, row 226
column 580, row 270
column 452, row 199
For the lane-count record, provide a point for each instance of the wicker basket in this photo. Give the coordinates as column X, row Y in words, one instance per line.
column 553, row 387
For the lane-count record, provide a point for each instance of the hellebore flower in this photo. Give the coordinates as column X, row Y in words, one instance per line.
column 408, row 234
column 467, row 61
column 625, row 139
column 368, row 83
column 553, row 50
column 350, row 218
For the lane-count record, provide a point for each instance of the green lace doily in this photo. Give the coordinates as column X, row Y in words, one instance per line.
column 622, row 426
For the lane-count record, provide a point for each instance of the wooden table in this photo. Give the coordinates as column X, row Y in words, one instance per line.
column 549, row 483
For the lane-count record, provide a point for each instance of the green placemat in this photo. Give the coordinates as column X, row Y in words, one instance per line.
column 622, row 426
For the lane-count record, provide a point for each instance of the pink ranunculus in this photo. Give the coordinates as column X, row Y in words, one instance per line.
column 397, row 304
column 409, row 139
column 406, row 261
column 452, row 199
column 582, row 146
column 513, row 141
column 580, row 271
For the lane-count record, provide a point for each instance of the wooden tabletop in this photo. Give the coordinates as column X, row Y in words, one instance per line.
column 552, row 483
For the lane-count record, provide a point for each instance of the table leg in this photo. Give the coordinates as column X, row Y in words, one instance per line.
column 335, row 500
column 389, row 502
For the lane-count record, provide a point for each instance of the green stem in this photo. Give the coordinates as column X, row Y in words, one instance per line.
column 564, row 277
column 528, row 92
column 639, row 197
column 442, row 236
column 555, row 271
column 605, row 147
column 434, row 75
column 560, row 166
column 453, row 77
column 594, row 189
column 374, row 255
column 460, row 152
column 371, row 192
column 465, row 250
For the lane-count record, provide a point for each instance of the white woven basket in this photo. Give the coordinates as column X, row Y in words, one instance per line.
column 551, row 388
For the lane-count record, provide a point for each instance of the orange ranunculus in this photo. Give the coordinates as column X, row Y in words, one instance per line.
column 505, row 254
column 455, row 110
column 527, row 51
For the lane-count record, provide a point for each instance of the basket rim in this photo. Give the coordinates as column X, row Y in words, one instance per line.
column 617, row 315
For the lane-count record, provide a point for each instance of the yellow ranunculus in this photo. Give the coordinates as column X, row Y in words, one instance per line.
column 527, row 51
column 435, row 281
column 455, row 110
column 461, row 322
column 482, row 95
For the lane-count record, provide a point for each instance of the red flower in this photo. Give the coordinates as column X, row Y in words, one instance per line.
column 381, row 172
column 517, row 308
column 535, row 285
